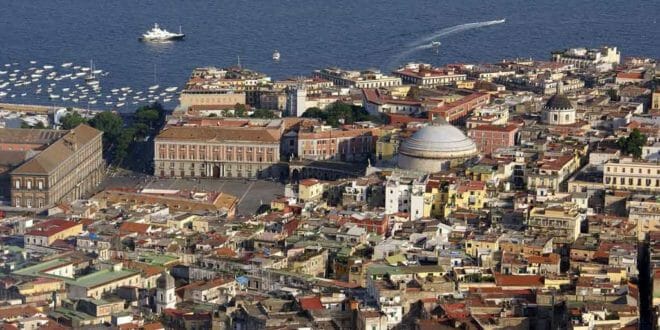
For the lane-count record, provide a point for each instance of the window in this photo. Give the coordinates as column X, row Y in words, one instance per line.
column 40, row 185
column 29, row 184
column 18, row 184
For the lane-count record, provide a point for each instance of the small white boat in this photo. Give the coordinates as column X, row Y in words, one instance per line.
column 66, row 89
column 119, row 105
column 66, row 65
column 158, row 34
column 92, row 102
column 85, row 69
column 65, row 98
column 97, row 71
column 276, row 55
column 33, row 62
column 53, row 96
column 153, row 88
column 114, row 91
column 48, row 67
column 171, row 89
column 80, row 74
column 3, row 72
column 23, row 94
column 167, row 100
column 77, row 67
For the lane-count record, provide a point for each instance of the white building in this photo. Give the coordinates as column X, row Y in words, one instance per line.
column 165, row 297
column 405, row 195
column 296, row 101
column 604, row 58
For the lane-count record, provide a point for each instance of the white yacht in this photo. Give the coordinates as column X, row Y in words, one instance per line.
column 159, row 34
column 276, row 56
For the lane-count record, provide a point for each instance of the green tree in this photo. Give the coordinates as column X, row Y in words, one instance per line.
column 314, row 112
column 632, row 144
column 71, row 120
column 109, row 123
column 141, row 130
column 123, row 143
column 263, row 113
column 240, row 110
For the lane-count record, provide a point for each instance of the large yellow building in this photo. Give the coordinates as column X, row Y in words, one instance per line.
column 655, row 102
column 561, row 222
column 310, row 190
column 47, row 232
column 629, row 174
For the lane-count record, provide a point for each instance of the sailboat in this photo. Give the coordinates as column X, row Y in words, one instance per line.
column 90, row 79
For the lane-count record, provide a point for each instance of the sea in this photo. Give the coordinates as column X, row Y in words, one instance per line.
column 309, row 34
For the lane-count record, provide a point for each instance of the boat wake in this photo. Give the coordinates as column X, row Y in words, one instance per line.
column 426, row 42
column 453, row 29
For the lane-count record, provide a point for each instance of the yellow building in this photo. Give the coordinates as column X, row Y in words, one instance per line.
column 181, row 221
column 655, row 103
column 40, row 285
column 47, row 232
column 556, row 282
column 483, row 242
column 387, row 145
column 469, row 195
column 629, row 174
column 310, row 190
column 561, row 222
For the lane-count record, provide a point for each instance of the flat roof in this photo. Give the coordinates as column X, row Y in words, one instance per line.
column 88, row 281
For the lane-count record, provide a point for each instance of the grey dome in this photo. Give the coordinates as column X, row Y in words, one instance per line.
column 558, row 102
column 442, row 141
column 165, row 281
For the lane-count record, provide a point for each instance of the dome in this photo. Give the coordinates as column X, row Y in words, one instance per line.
column 165, row 281
column 438, row 141
column 435, row 148
column 558, row 102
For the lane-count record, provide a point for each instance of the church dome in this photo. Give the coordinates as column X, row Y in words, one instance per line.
column 558, row 102
column 435, row 148
column 438, row 141
column 165, row 281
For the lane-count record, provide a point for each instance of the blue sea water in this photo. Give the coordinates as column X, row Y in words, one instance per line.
column 309, row 34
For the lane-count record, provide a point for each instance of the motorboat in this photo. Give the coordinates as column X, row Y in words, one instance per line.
column 276, row 56
column 157, row 34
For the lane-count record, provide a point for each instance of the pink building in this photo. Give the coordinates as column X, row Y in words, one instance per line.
column 490, row 137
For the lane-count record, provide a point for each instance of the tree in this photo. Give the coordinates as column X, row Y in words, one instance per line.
column 141, row 130
column 124, row 141
column 263, row 113
column 109, row 123
column 314, row 112
column 240, row 110
column 632, row 144
column 71, row 120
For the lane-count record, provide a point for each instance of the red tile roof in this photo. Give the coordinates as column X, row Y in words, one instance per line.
column 133, row 227
column 310, row 303
column 51, row 227
column 518, row 280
